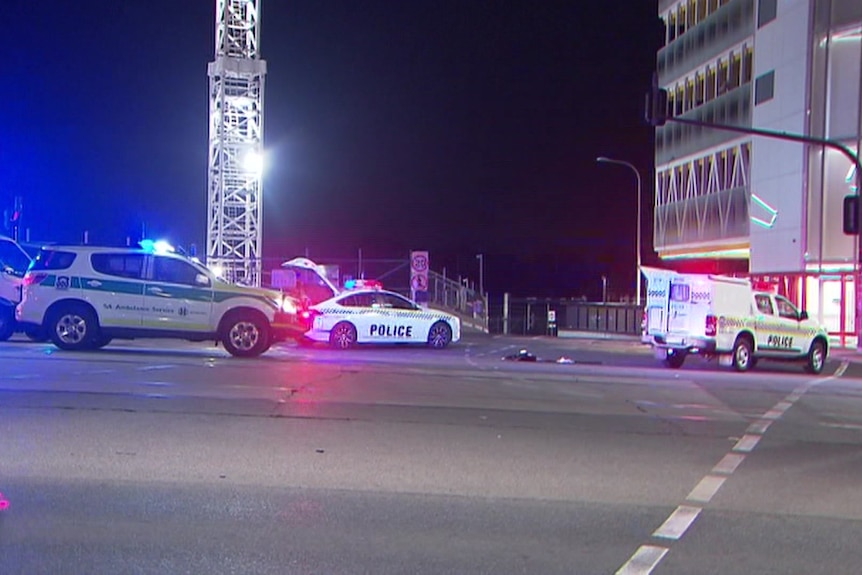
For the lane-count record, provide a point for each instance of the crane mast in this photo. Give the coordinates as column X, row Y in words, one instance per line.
column 234, row 178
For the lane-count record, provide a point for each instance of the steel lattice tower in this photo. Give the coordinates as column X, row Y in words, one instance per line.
column 234, row 180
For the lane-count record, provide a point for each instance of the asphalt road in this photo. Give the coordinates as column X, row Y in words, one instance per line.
column 167, row 457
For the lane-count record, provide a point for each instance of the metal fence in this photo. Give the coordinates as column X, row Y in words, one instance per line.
column 546, row 316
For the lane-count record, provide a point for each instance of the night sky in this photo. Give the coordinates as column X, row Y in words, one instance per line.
column 460, row 127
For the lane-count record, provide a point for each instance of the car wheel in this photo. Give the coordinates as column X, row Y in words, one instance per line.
column 7, row 322
column 342, row 336
column 246, row 335
column 742, row 359
column 74, row 327
column 816, row 359
column 675, row 360
column 440, row 335
column 102, row 341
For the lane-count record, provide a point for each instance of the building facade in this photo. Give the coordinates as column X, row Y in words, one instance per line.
column 771, row 205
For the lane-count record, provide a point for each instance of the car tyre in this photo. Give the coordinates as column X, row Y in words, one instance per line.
column 73, row 327
column 816, row 359
column 440, row 335
column 246, row 335
column 675, row 360
column 343, row 335
column 742, row 359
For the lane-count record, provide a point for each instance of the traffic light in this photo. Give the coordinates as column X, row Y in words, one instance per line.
column 655, row 110
column 851, row 215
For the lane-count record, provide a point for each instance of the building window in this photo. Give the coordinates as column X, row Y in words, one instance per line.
column 764, row 88
column 735, row 78
column 747, row 65
column 767, row 10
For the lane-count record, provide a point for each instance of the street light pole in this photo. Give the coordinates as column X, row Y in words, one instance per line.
column 604, row 160
column 481, row 258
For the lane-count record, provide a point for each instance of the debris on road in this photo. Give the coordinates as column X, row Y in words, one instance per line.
column 522, row 355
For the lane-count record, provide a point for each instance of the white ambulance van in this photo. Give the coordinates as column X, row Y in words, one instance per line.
column 724, row 317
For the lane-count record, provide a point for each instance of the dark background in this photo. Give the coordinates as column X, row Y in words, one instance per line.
column 460, row 127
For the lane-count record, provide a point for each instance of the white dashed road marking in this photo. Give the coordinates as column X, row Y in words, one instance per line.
column 643, row 561
column 647, row 557
column 679, row 521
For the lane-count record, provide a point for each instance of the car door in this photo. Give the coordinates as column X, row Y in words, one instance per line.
column 355, row 308
column 792, row 338
column 117, row 292
column 177, row 296
column 403, row 320
column 679, row 309
column 767, row 325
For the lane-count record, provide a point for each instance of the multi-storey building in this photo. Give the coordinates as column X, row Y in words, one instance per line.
column 775, row 206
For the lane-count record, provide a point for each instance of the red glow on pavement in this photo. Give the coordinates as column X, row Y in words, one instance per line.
column 4, row 503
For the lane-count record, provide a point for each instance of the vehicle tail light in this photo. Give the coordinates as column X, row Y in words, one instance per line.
column 31, row 278
column 711, row 325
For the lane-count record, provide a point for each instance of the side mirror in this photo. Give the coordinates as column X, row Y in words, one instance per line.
column 803, row 315
column 202, row 280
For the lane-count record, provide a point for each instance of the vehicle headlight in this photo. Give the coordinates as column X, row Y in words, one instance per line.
column 287, row 306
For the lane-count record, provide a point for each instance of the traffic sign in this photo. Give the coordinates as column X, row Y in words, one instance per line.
column 419, row 283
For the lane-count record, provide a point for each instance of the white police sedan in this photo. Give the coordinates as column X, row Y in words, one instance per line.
column 379, row 316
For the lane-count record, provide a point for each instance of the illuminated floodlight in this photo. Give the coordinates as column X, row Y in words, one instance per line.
column 217, row 269
column 253, row 162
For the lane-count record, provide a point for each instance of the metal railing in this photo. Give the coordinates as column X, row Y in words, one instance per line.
column 548, row 316
column 460, row 298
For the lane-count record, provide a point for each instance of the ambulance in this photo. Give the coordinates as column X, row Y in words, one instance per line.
column 726, row 318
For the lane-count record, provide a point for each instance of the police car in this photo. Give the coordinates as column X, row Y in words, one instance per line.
column 374, row 315
column 84, row 296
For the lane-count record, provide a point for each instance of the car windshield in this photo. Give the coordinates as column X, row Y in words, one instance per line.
column 13, row 257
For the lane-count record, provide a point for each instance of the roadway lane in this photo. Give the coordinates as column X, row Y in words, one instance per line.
column 406, row 460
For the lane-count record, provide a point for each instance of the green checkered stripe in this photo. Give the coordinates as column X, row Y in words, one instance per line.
column 168, row 291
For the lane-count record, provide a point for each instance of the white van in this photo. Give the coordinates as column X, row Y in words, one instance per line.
column 724, row 317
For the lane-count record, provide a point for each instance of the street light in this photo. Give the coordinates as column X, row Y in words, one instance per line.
column 604, row 160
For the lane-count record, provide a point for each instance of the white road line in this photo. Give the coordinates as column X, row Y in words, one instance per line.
column 842, row 368
column 158, row 366
column 785, row 405
column 643, row 561
column 854, row 426
column 746, row 443
column 679, row 521
column 759, row 427
column 706, row 489
column 729, row 463
column 647, row 557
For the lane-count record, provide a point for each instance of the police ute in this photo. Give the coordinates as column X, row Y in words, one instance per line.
column 374, row 315
column 726, row 318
